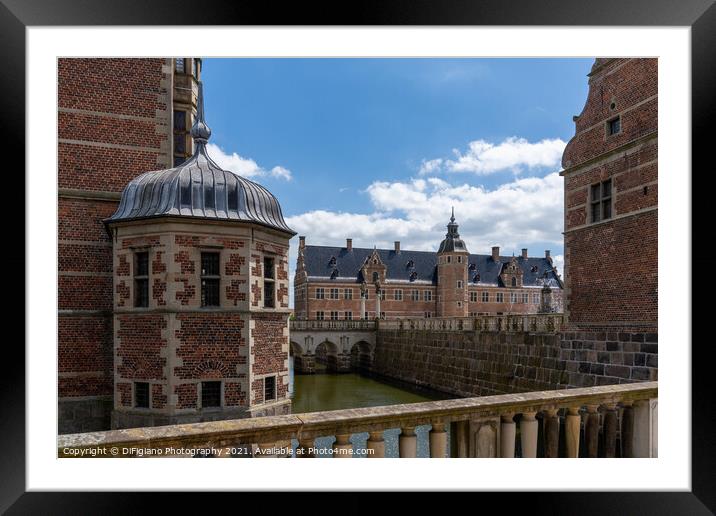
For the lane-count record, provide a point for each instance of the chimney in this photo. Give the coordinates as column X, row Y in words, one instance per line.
column 547, row 255
column 496, row 253
column 301, row 242
column 349, row 244
column 524, row 253
column 397, row 247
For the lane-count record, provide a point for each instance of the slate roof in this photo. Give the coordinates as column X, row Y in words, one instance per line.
column 317, row 263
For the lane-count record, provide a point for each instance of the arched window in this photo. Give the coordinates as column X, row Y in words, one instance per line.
column 376, row 276
column 514, row 282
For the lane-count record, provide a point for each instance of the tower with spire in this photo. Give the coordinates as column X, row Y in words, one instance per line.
column 200, row 295
column 452, row 284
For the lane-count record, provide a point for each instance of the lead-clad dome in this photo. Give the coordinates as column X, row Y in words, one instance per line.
column 199, row 188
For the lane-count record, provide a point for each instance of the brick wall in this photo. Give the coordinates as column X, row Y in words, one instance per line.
column 611, row 265
column 113, row 124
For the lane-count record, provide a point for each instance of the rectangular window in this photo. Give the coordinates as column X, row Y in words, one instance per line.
column 601, row 200
column 473, row 297
column 320, row 293
column 485, row 297
column 428, row 315
column 319, row 316
column 500, row 297
column 141, row 394
column 348, row 293
column 427, row 295
column 382, row 315
column 535, row 298
column 269, row 282
column 415, row 295
column 614, row 126
column 334, row 293
column 513, row 297
column 210, row 279
column 180, row 132
column 398, row 295
column 334, row 316
column 180, row 64
column 459, row 283
column 210, row 394
column 459, row 259
column 525, row 297
column 382, row 295
column 141, row 279
column 269, row 388
column 349, row 316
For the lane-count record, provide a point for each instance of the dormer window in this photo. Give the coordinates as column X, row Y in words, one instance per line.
column 514, row 282
column 413, row 276
column 334, row 274
column 332, row 261
column 376, row 277
column 534, row 268
column 471, row 267
column 476, row 278
column 410, row 264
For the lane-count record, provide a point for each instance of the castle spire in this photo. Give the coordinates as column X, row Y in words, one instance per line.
column 200, row 130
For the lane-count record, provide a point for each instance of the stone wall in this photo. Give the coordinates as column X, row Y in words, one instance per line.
column 475, row 363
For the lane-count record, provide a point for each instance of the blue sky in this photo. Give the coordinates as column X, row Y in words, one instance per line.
column 380, row 149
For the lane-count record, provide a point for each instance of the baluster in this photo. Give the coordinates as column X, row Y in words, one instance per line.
column 528, row 434
column 305, row 448
column 610, row 431
column 591, row 430
column 342, row 448
column 508, row 431
column 438, row 441
column 551, row 433
column 572, row 425
column 408, row 443
column 627, row 436
column 376, row 444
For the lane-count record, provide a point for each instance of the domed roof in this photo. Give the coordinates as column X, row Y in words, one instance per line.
column 452, row 242
column 199, row 188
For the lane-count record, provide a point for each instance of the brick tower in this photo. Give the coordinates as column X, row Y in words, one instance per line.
column 200, row 295
column 452, row 296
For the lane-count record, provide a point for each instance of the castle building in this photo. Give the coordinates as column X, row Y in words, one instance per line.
column 344, row 283
column 117, row 120
column 611, row 224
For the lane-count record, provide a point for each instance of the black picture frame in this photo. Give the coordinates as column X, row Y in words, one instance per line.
column 700, row 15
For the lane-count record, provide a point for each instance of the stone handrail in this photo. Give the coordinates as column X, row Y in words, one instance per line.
column 543, row 323
column 489, row 417
column 312, row 325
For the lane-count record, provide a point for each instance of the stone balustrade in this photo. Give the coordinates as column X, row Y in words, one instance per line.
column 342, row 325
column 541, row 323
column 487, row 426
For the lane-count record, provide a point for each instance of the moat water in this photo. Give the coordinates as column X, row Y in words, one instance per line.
column 319, row 392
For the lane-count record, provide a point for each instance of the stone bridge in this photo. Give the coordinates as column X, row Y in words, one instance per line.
column 332, row 346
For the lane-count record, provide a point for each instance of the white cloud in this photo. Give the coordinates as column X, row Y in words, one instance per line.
column 244, row 166
column 526, row 212
column 282, row 173
column 513, row 154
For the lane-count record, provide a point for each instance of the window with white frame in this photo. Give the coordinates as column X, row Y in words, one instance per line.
column 398, row 295
column 334, row 293
column 427, row 295
column 485, row 297
column 320, row 315
column 320, row 293
column 473, row 297
column 348, row 293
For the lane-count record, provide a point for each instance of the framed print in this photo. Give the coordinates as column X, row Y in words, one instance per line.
column 427, row 232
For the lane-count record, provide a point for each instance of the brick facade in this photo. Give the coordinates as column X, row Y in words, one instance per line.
column 611, row 263
column 114, row 122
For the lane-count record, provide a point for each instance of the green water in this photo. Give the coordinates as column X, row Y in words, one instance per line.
column 319, row 392
column 313, row 393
